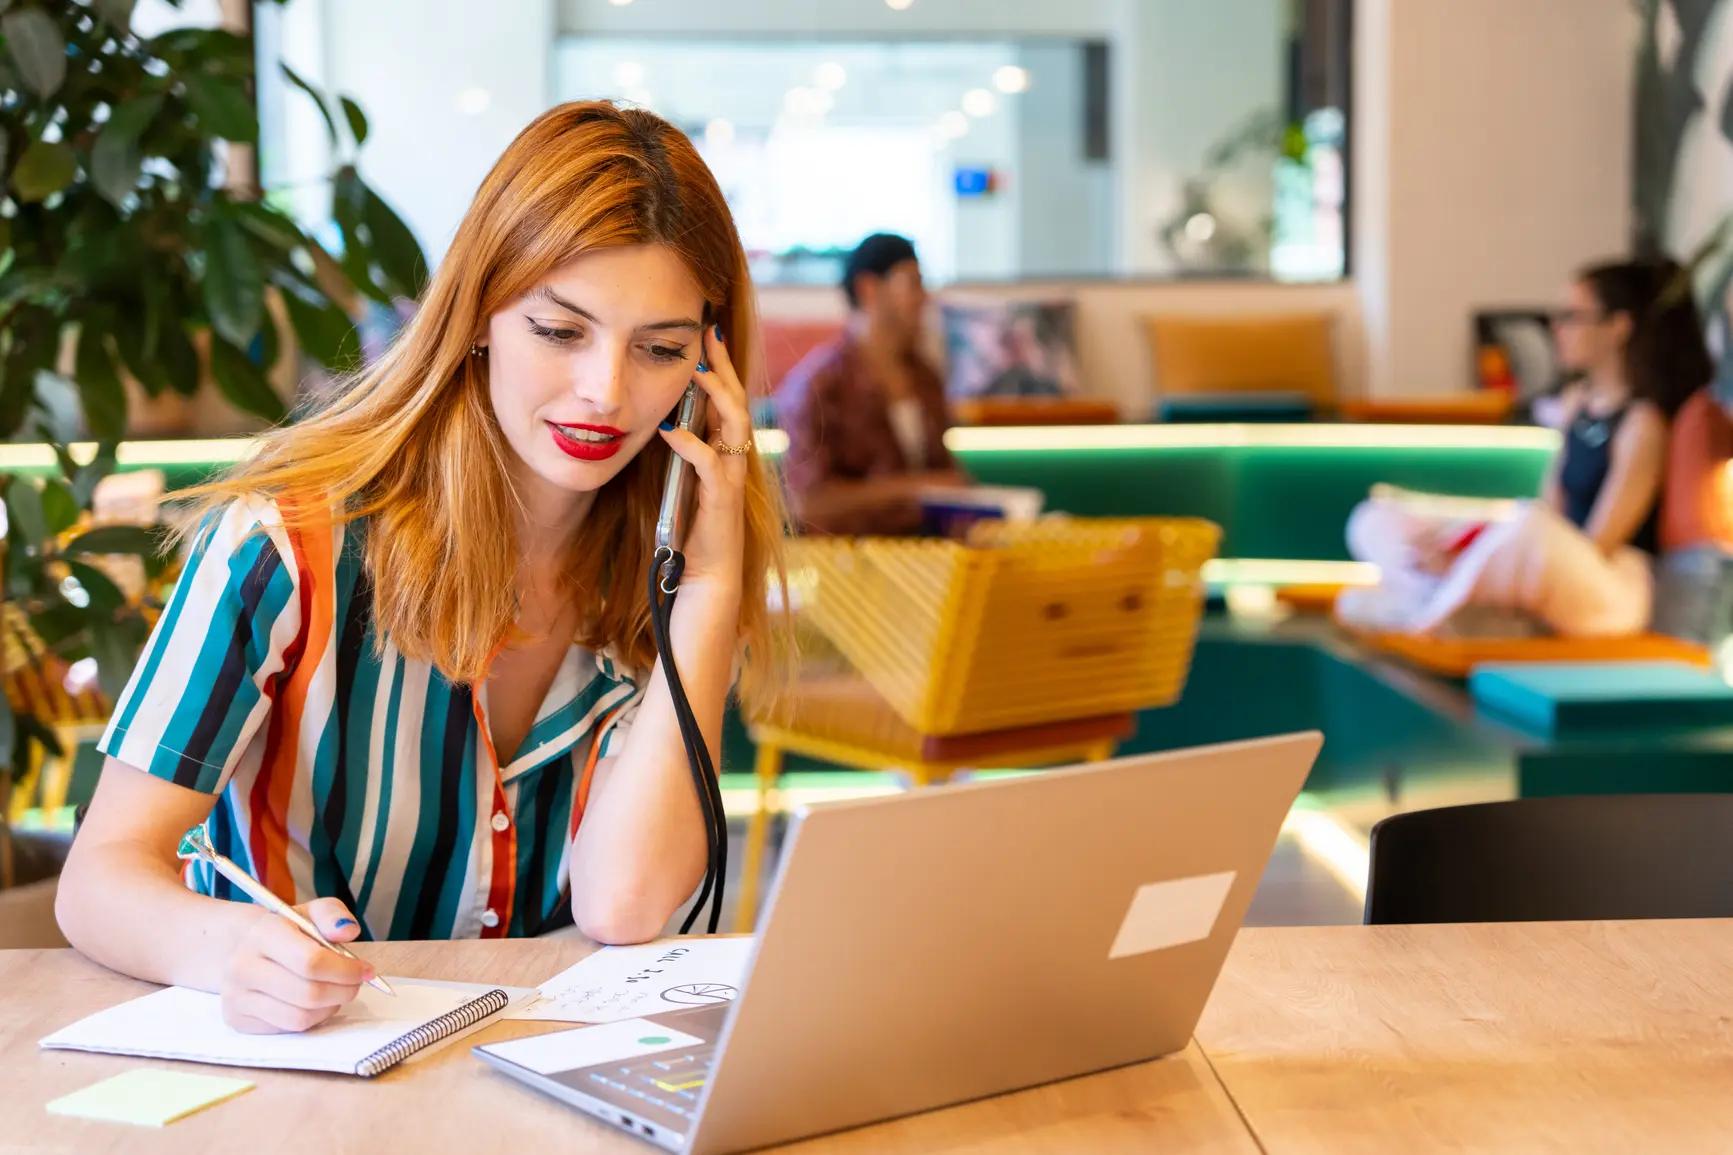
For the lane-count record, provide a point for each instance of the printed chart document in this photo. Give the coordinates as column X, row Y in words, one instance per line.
column 628, row 982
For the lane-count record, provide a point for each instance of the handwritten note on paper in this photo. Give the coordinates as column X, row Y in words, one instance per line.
column 628, row 982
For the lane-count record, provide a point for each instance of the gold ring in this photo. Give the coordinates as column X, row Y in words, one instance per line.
column 731, row 450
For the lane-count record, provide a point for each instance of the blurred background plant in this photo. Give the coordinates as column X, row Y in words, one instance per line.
column 138, row 257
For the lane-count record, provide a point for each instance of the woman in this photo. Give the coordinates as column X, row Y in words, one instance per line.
column 408, row 673
column 1579, row 560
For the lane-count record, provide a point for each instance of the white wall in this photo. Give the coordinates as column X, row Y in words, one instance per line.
column 1493, row 157
column 1185, row 75
column 973, row 18
column 1491, row 140
column 406, row 62
column 1066, row 218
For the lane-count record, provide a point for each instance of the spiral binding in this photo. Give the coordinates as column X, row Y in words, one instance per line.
column 446, row 1025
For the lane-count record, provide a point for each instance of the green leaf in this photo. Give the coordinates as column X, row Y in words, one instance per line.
column 234, row 286
column 325, row 331
column 318, row 102
column 270, row 343
column 115, row 158
column 115, row 658
column 59, row 507
column 223, row 109
column 24, row 514
column 37, row 48
column 31, row 729
column 8, row 726
column 212, row 51
column 68, row 467
column 45, row 168
column 243, row 382
column 131, row 117
column 115, row 165
column 105, row 596
column 133, row 539
column 269, row 225
column 357, row 121
column 133, row 337
column 22, row 570
column 116, row 12
column 85, row 481
column 395, row 248
column 99, row 386
column 348, row 204
column 178, row 358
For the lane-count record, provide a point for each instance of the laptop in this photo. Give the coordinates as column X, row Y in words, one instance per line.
column 953, row 943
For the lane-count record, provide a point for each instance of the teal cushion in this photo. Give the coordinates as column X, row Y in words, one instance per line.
column 1561, row 698
column 1276, row 407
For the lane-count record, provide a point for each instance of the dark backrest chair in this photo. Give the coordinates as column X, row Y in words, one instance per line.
column 1604, row 856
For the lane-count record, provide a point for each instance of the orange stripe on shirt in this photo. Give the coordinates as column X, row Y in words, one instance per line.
column 314, row 564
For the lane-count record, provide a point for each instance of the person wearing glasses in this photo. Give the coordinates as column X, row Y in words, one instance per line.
column 1577, row 560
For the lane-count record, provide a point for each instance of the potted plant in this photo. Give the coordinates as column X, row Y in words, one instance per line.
column 124, row 258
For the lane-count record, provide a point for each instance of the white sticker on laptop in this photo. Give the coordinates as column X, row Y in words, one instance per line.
column 587, row 1046
column 1172, row 913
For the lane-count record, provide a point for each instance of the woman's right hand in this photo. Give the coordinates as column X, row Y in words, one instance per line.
column 279, row 980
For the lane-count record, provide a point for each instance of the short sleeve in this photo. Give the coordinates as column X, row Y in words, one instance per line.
column 618, row 726
column 201, row 689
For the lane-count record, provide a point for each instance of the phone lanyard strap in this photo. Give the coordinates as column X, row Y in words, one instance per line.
column 665, row 573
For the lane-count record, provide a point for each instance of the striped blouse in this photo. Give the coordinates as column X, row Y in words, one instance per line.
column 345, row 770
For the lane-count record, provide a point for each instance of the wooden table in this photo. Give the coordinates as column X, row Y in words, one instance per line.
column 1576, row 1038
column 451, row 1103
column 1573, row 1038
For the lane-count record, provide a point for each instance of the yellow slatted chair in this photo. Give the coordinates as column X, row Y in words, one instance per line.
column 1026, row 645
column 34, row 682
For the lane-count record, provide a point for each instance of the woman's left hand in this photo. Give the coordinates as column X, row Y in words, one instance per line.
column 715, row 543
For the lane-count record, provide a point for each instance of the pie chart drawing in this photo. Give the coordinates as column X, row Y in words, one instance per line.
column 699, row 994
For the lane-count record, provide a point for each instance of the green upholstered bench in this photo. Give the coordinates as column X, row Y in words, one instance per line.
column 1256, row 408
column 1580, row 699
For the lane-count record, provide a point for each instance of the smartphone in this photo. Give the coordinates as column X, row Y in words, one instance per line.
column 682, row 482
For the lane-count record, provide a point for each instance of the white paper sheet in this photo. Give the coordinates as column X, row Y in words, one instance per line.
column 628, row 982
column 175, row 1023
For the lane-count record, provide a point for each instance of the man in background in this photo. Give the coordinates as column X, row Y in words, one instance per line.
column 865, row 414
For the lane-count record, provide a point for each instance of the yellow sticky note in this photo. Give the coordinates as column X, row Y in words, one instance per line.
column 148, row 1097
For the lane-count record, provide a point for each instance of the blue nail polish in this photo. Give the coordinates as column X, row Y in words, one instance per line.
column 343, row 922
column 702, row 368
column 719, row 332
column 667, row 427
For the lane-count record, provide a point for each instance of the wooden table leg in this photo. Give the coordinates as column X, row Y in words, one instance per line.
column 767, row 768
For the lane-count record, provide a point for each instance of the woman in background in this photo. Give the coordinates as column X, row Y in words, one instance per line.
column 1578, row 560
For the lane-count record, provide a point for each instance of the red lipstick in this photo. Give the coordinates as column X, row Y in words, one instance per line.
column 587, row 442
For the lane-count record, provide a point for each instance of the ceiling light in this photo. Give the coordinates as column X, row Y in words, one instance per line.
column 804, row 101
column 830, row 76
column 1010, row 78
column 473, row 101
column 980, row 102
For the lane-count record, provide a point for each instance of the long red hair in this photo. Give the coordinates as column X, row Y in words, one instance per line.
column 413, row 444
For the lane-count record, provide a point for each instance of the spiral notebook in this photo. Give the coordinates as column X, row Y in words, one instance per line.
column 369, row 1036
